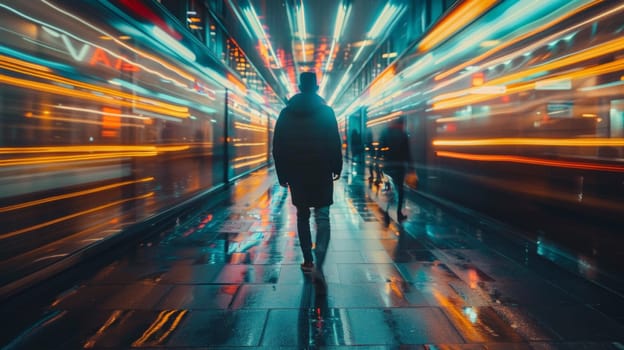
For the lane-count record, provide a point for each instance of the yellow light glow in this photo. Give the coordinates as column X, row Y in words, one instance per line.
column 531, row 161
column 461, row 16
column 74, row 215
column 581, row 142
column 142, row 103
column 381, row 81
column 385, row 119
column 513, row 89
column 239, row 125
column 508, row 43
column 71, row 195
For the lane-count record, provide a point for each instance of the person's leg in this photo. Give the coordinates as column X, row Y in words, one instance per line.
column 305, row 236
column 321, row 217
column 399, row 179
column 323, row 233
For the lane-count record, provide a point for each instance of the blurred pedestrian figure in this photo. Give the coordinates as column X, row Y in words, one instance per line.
column 308, row 158
column 372, row 150
column 356, row 145
column 394, row 146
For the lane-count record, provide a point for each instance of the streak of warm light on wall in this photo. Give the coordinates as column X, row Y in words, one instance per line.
column 580, row 142
column 528, row 34
column 91, row 149
column 512, row 89
column 384, row 119
column 247, row 144
column 256, row 159
column 72, row 195
column 73, row 158
column 239, row 84
column 104, row 153
column 74, row 215
column 531, row 161
column 239, row 125
column 465, row 13
column 381, row 81
column 600, row 50
column 109, row 98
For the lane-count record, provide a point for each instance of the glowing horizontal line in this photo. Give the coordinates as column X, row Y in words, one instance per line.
column 103, row 90
column 532, row 161
column 384, row 119
column 73, row 158
column 59, row 90
column 68, row 217
column 240, row 165
column 533, row 142
column 71, row 195
column 241, row 144
column 91, row 149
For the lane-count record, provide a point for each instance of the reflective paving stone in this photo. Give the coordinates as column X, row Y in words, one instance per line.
column 220, row 328
column 401, row 326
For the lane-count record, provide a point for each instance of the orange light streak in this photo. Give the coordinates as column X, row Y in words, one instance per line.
column 584, row 142
column 171, row 110
column 512, row 89
column 71, row 195
column 91, row 149
column 144, row 152
column 71, row 216
column 239, row 125
column 384, row 119
column 24, row 64
column 532, row 161
column 160, row 321
column 83, row 121
column 239, row 84
column 245, row 144
column 252, row 162
column 382, row 80
column 74, row 158
column 90, row 343
column 462, row 323
column 596, row 51
column 465, row 13
column 508, row 43
column 63, row 80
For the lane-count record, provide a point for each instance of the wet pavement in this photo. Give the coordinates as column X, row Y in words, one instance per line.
column 229, row 278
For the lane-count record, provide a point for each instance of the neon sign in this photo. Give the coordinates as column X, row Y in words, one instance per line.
column 92, row 56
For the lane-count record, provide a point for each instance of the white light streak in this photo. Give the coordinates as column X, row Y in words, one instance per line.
column 172, row 43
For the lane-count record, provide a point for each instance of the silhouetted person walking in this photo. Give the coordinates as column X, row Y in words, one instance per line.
column 308, row 158
column 394, row 145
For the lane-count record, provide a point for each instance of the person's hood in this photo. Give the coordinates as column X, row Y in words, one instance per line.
column 305, row 102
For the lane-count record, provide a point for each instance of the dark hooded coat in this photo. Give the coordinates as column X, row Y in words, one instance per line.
column 307, row 150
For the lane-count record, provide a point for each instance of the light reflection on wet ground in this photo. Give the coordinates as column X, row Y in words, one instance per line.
column 230, row 278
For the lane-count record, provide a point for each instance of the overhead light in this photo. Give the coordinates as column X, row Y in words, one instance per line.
column 172, row 43
column 301, row 28
column 256, row 27
column 341, row 19
column 388, row 14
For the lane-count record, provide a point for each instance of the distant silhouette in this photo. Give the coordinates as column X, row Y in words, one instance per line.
column 394, row 146
column 308, row 158
column 374, row 173
column 356, row 144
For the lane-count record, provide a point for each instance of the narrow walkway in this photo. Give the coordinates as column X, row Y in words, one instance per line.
column 230, row 278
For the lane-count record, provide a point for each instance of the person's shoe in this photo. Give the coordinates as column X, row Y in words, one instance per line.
column 307, row 266
column 401, row 216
